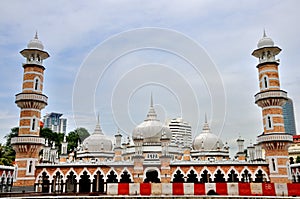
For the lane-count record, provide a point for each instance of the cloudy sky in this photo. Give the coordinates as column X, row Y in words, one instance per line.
column 107, row 57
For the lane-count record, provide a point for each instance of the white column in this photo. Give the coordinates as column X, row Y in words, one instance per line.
column 64, row 188
column 77, row 189
column 50, row 187
column 91, row 187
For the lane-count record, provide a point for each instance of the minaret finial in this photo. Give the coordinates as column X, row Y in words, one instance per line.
column 151, row 100
column 36, row 35
column 265, row 35
column 98, row 119
column 205, row 118
column 151, row 113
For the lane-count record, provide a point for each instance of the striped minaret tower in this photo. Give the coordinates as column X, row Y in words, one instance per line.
column 31, row 101
column 271, row 98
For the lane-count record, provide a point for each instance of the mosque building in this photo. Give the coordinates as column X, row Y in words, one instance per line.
column 151, row 162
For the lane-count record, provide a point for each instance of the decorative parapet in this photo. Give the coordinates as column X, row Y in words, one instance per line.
column 27, row 140
column 270, row 94
column 31, row 96
column 274, row 137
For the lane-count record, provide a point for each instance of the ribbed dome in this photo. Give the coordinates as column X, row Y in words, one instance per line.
column 206, row 140
column 35, row 43
column 151, row 130
column 97, row 141
column 265, row 42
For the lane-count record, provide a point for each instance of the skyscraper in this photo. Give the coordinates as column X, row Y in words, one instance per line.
column 54, row 122
column 181, row 131
column 289, row 117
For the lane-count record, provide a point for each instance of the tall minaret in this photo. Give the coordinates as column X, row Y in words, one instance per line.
column 271, row 98
column 31, row 101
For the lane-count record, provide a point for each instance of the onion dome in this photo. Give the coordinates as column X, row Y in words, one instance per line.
column 98, row 141
column 35, row 43
column 206, row 140
column 151, row 130
column 265, row 41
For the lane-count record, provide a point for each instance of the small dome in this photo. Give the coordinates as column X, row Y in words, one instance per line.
column 265, row 41
column 151, row 130
column 35, row 43
column 206, row 140
column 98, row 141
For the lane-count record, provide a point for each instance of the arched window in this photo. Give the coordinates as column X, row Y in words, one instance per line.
column 125, row 177
column 192, row 177
column 232, row 176
column 36, row 84
column 219, row 176
column 265, row 82
column 269, row 123
column 33, row 124
column 273, row 164
column 178, row 176
column 30, row 167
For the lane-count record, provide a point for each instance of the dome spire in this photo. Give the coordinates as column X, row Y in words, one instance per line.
column 205, row 128
column 98, row 127
column 151, row 113
column 36, row 35
column 151, row 100
column 264, row 35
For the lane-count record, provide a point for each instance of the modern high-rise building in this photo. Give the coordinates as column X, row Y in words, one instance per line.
column 181, row 131
column 54, row 122
column 289, row 117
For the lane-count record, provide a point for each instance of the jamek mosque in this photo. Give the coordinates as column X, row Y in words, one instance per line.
column 150, row 163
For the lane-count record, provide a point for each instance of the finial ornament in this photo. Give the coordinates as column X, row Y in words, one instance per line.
column 205, row 118
column 98, row 118
column 36, row 35
column 264, row 35
column 151, row 100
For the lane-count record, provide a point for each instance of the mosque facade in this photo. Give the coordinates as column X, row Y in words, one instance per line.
column 150, row 157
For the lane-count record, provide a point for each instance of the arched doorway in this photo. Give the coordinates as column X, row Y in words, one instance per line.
column 84, row 183
column 45, row 183
column 152, row 176
column 71, row 182
column 98, row 182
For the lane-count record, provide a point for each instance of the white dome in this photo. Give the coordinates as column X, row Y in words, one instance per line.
column 97, row 141
column 207, row 141
column 151, row 130
column 265, row 42
column 35, row 43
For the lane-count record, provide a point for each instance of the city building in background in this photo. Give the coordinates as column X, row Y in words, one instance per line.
column 289, row 117
column 181, row 131
column 54, row 122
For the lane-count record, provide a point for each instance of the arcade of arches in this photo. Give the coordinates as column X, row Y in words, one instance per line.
column 96, row 182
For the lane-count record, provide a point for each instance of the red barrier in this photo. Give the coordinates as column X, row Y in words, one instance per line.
column 244, row 189
column 268, row 189
column 199, row 189
column 293, row 189
column 178, row 189
column 145, row 189
column 123, row 188
column 221, row 188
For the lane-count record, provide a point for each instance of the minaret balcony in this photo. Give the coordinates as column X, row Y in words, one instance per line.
column 22, row 98
column 28, row 140
column 275, row 137
column 277, row 94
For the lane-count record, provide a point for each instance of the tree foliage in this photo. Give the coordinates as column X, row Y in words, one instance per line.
column 298, row 159
column 82, row 133
column 73, row 137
